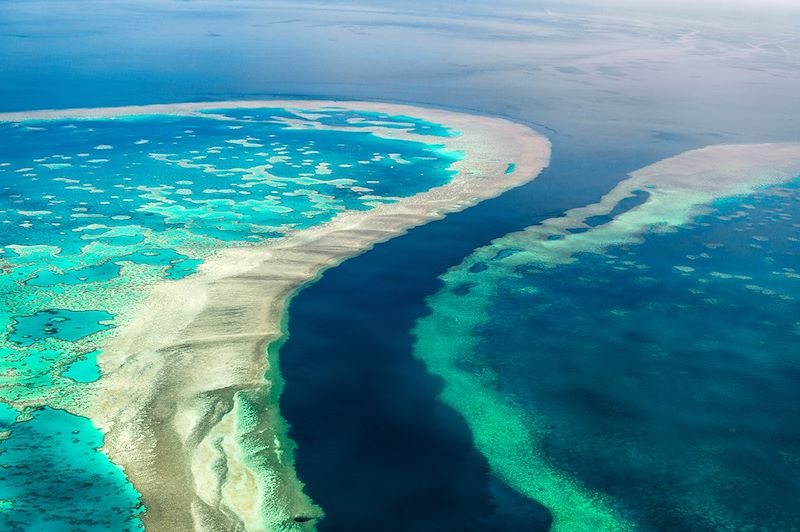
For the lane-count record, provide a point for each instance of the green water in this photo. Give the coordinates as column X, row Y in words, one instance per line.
column 95, row 211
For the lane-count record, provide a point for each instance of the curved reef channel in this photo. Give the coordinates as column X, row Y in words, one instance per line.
column 644, row 341
column 149, row 258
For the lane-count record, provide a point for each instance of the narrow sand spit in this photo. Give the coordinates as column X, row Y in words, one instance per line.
column 184, row 386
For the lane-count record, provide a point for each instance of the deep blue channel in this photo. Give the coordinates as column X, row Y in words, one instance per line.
column 376, row 449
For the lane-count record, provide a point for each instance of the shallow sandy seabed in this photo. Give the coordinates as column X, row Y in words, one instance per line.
column 183, row 386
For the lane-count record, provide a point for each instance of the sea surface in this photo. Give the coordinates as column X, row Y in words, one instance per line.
column 667, row 392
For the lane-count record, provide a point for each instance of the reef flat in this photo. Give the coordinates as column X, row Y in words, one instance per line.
column 167, row 246
column 605, row 346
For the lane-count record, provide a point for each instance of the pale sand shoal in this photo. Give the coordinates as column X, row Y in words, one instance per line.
column 166, row 398
column 678, row 188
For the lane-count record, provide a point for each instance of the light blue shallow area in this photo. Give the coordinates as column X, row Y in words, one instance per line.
column 57, row 480
column 94, row 211
column 97, row 272
column 84, row 369
column 239, row 179
column 63, row 324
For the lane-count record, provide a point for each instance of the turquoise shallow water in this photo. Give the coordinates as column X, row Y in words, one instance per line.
column 57, row 480
column 669, row 366
column 96, row 210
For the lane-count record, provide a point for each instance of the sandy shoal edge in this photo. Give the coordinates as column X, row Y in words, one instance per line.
column 168, row 400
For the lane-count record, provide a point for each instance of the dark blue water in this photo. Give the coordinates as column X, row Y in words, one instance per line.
column 626, row 204
column 375, row 447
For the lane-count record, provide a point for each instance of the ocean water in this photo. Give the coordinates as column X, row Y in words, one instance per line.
column 355, row 396
column 95, row 211
column 648, row 386
column 614, row 88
